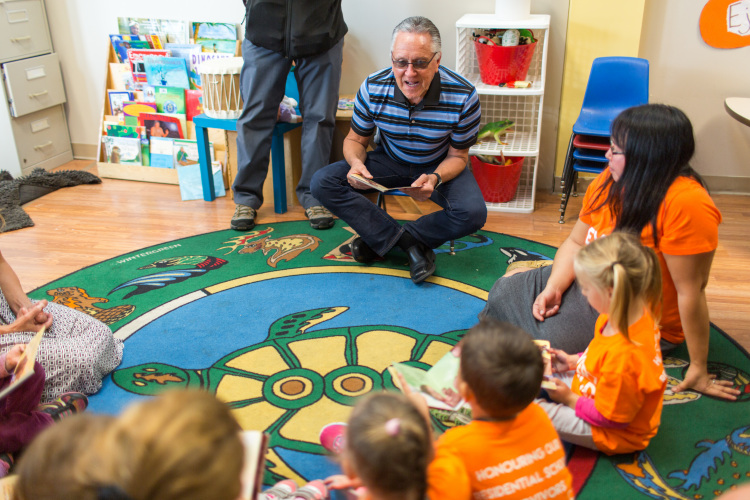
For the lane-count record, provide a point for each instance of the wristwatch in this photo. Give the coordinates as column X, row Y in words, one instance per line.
column 439, row 179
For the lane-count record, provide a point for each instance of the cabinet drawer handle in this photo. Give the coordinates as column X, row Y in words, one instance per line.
column 20, row 39
column 38, row 94
column 42, row 146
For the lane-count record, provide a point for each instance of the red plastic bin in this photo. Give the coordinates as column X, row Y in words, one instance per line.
column 498, row 183
column 498, row 64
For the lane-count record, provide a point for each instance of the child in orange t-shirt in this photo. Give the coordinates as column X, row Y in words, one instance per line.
column 510, row 449
column 615, row 401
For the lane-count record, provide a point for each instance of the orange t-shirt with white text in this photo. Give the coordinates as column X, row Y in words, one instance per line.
column 687, row 224
column 510, row 459
column 626, row 380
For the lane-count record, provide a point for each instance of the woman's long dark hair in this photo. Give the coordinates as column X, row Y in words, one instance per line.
column 658, row 143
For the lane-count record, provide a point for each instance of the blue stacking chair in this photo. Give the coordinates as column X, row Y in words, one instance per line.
column 615, row 84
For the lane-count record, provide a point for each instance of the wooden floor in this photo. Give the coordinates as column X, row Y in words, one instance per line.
column 82, row 225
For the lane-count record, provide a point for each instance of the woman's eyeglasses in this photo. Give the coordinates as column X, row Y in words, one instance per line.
column 612, row 149
column 418, row 64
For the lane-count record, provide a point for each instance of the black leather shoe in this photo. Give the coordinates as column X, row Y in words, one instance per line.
column 362, row 253
column 421, row 262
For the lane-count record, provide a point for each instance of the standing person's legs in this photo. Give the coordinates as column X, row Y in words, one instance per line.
column 464, row 212
column 262, row 82
column 511, row 298
column 318, row 79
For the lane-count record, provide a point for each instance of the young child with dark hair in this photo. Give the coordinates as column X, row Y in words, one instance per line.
column 510, row 449
column 616, row 398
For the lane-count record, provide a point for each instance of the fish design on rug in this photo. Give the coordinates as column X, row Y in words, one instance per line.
column 143, row 284
column 728, row 454
column 77, row 298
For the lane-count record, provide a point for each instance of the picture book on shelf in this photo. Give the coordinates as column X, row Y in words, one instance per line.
column 169, row 31
column 193, row 103
column 120, row 76
column 161, row 152
column 187, row 51
column 191, row 187
column 216, row 37
column 116, row 130
column 186, row 152
column 201, row 57
column 166, row 71
column 121, row 44
column 169, row 99
column 161, row 125
column 25, row 367
column 137, row 67
column 124, row 150
column 132, row 109
column 116, row 100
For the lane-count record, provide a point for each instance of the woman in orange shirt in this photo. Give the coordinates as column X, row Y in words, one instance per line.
column 648, row 189
column 614, row 403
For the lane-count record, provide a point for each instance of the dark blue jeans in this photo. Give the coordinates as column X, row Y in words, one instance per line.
column 464, row 210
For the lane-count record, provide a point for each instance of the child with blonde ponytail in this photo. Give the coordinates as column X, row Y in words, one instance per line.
column 614, row 403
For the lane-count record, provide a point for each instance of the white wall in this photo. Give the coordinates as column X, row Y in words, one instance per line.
column 689, row 74
column 80, row 30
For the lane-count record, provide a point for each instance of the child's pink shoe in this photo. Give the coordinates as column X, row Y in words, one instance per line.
column 280, row 491
column 314, row 490
column 332, row 437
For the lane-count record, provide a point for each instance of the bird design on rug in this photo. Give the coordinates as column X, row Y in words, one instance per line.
column 77, row 298
column 143, row 284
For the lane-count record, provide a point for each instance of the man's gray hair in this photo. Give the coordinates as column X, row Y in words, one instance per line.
column 418, row 24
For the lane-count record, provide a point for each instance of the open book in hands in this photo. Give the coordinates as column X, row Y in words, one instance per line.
column 437, row 385
column 375, row 185
column 256, row 445
column 25, row 367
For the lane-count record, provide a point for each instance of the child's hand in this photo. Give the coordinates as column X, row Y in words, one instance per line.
column 416, row 399
column 561, row 361
column 341, row 482
column 562, row 393
column 13, row 357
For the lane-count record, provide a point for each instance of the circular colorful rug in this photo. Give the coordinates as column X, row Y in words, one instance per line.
column 285, row 327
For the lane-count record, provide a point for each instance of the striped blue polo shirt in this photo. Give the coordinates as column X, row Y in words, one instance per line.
column 448, row 115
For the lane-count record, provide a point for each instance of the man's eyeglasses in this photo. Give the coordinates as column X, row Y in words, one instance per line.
column 418, row 64
column 612, row 149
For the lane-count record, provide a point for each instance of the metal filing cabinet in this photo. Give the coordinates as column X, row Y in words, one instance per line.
column 33, row 127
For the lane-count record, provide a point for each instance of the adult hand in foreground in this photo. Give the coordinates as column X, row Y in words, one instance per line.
column 706, row 383
column 546, row 304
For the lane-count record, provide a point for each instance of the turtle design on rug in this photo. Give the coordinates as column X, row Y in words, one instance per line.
column 295, row 382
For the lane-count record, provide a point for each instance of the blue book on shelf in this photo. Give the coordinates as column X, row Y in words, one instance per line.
column 161, row 152
column 166, row 71
column 191, row 188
